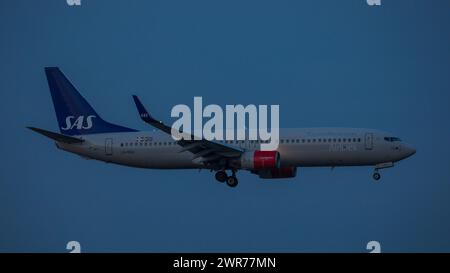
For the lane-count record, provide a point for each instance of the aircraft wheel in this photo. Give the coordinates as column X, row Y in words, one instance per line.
column 221, row 176
column 376, row 176
column 232, row 181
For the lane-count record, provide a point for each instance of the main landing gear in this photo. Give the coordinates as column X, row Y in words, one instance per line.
column 376, row 175
column 231, row 180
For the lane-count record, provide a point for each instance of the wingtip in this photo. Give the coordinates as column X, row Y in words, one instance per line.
column 136, row 99
column 50, row 68
column 143, row 113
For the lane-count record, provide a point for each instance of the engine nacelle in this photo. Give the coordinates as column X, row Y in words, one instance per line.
column 284, row 172
column 258, row 160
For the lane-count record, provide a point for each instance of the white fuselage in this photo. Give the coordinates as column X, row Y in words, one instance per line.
column 300, row 147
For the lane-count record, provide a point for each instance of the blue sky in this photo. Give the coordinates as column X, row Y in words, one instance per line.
column 326, row 63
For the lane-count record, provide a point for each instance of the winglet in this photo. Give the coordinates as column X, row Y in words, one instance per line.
column 145, row 116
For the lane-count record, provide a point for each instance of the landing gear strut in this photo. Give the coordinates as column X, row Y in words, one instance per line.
column 376, row 175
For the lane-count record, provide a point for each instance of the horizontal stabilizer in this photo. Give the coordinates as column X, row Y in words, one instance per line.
column 56, row 136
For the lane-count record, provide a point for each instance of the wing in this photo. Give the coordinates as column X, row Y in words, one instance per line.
column 211, row 153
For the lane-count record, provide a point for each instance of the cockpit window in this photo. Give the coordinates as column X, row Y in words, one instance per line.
column 392, row 139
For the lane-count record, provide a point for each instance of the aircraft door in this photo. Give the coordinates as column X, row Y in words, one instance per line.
column 108, row 146
column 368, row 140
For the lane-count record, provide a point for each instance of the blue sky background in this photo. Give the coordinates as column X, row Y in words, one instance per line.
column 326, row 63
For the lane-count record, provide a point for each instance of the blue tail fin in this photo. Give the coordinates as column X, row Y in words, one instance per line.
column 75, row 115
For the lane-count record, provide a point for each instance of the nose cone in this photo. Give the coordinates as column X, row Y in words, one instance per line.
column 408, row 150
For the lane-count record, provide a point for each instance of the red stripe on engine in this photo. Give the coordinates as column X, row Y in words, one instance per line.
column 265, row 159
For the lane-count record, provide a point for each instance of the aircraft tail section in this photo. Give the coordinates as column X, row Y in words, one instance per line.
column 74, row 114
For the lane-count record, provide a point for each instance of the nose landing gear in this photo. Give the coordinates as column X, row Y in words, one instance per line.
column 231, row 180
column 376, row 175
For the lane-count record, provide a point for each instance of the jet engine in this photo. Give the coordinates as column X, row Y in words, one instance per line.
column 283, row 172
column 258, row 160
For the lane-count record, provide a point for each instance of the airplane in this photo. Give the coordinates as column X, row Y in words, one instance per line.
column 85, row 133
